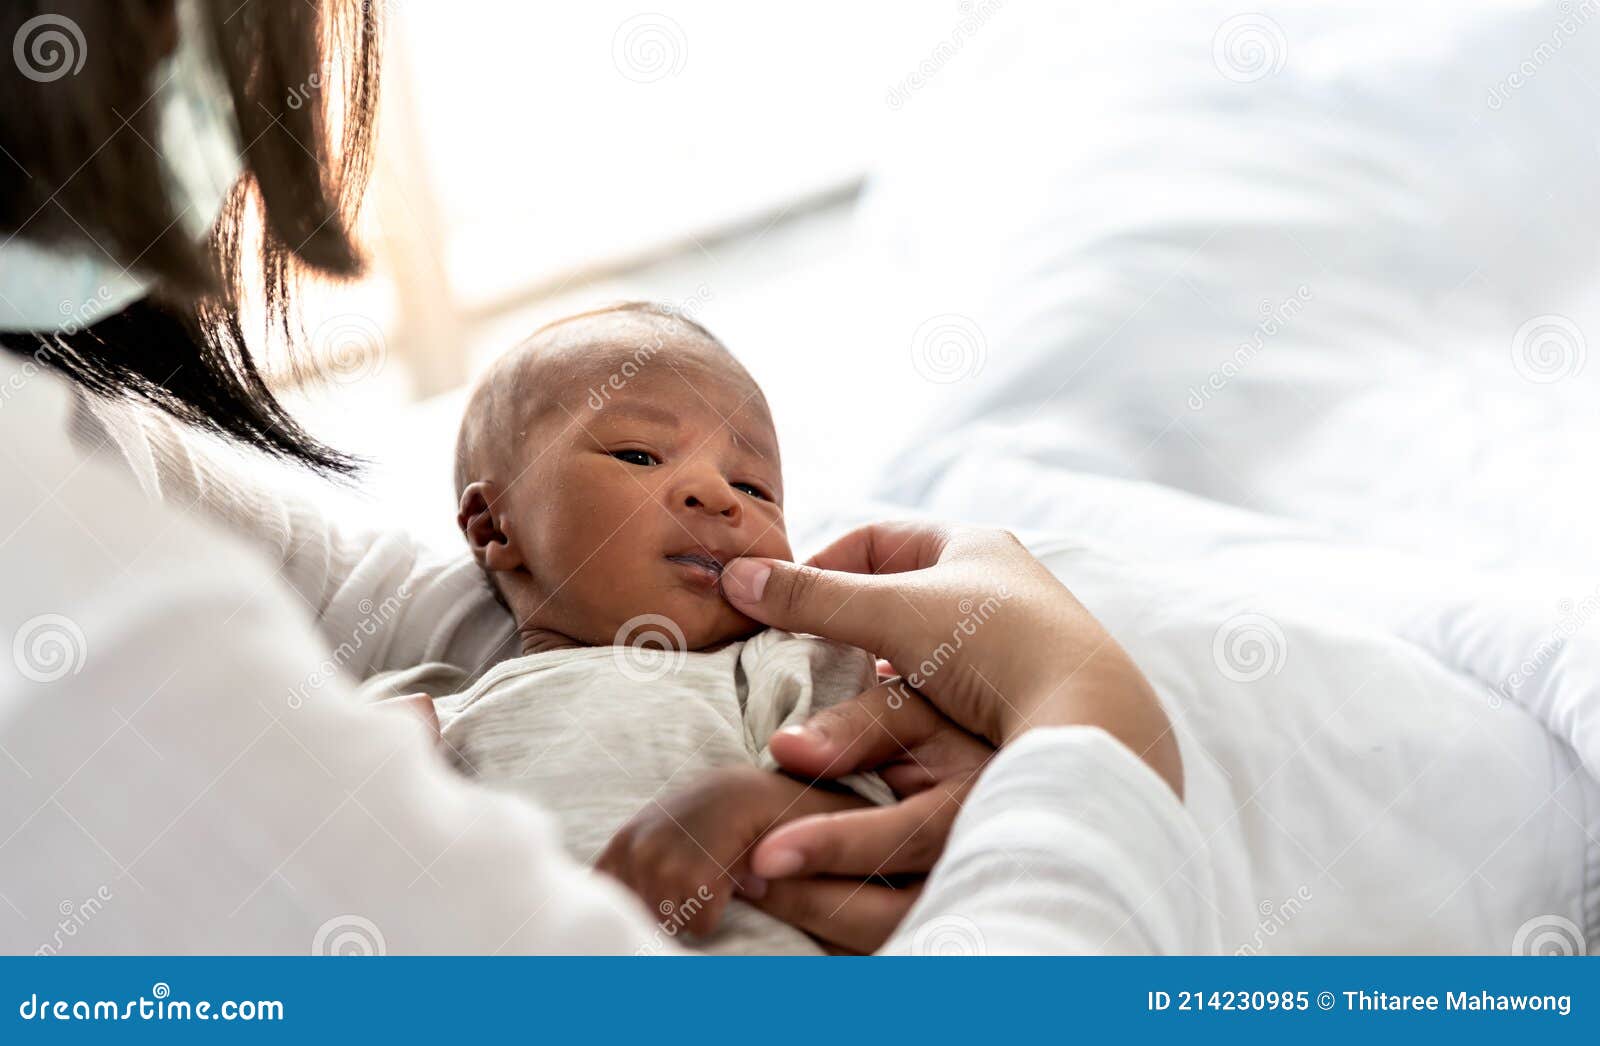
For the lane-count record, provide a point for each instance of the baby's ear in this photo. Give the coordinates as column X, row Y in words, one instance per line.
column 478, row 519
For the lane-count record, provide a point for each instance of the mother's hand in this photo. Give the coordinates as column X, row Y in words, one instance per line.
column 994, row 641
column 813, row 868
column 974, row 622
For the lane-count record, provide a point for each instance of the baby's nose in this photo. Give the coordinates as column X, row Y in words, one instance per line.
column 708, row 494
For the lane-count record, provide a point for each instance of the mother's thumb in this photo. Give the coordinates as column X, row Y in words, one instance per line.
column 805, row 599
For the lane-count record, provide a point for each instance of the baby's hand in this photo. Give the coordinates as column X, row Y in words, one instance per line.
column 686, row 854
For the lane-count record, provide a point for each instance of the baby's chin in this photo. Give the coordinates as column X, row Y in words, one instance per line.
column 683, row 620
column 708, row 627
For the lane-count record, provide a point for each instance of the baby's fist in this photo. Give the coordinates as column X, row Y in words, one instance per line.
column 687, row 854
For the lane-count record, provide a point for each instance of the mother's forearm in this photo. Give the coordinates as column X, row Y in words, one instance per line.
column 1068, row 845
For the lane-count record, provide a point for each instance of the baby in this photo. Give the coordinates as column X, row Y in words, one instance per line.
column 606, row 469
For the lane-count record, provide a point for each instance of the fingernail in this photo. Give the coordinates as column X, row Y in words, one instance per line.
column 802, row 732
column 745, row 579
column 753, row 887
column 781, row 863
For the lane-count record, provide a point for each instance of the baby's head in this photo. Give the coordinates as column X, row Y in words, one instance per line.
column 606, row 469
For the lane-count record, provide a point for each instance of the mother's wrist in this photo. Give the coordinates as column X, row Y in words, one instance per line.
column 1118, row 700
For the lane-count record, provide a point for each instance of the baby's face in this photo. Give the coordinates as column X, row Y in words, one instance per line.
column 635, row 490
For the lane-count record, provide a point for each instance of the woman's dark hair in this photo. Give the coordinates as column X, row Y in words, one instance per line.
column 78, row 169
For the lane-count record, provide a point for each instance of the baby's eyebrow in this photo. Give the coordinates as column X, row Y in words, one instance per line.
column 642, row 411
column 761, row 448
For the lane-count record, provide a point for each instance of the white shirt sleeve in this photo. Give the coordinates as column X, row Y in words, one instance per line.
column 382, row 600
column 1069, row 844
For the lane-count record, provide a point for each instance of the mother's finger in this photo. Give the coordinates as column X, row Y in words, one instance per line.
column 852, row 608
column 876, row 726
column 884, row 548
column 884, row 840
column 847, row 913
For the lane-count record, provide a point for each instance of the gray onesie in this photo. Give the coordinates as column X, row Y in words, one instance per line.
column 595, row 733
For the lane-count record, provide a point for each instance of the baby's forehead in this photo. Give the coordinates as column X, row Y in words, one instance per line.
column 609, row 357
column 590, row 345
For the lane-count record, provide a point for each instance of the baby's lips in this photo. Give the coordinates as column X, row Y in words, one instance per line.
column 707, row 560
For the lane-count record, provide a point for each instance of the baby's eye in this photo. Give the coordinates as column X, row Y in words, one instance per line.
column 754, row 492
column 636, row 457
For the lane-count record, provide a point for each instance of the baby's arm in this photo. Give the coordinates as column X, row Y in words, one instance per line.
column 689, row 852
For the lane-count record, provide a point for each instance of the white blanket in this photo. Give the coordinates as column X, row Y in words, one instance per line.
column 1357, row 796
column 1288, row 311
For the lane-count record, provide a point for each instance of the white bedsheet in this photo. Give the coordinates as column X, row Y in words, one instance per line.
column 1285, row 313
column 1357, row 796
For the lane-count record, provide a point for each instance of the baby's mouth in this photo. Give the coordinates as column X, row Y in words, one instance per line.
column 704, row 562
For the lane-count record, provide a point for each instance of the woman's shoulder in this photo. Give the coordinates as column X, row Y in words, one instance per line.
column 50, row 455
column 381, row 597
column 81, row 547
column 36, row 406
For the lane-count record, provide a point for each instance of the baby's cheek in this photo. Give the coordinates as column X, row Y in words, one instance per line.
column 774, row 544
column 598, row 523
column 583, row 554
